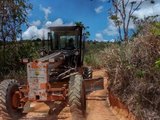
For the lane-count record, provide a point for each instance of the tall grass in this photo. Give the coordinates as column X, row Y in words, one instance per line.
column 92, row 52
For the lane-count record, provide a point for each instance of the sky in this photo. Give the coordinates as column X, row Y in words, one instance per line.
column 92, row 13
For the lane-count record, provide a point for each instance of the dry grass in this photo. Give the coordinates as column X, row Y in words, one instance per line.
column 134, row 74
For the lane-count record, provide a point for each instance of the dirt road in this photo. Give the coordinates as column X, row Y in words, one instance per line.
column 97, row 108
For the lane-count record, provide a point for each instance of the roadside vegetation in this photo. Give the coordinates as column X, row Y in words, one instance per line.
column 11, row 58
column 92, row 49
column 133, row 69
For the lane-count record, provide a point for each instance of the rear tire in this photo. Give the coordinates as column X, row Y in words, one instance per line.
column 87, row 73
column 77, row 97
column 7, row 111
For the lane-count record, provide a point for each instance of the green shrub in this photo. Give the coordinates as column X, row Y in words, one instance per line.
column 92, row 54
column 92, row 60
column 10, row 59
column 157, row 64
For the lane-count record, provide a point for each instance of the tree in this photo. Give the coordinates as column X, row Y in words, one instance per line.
column 87, row 33
column 121, row 13
column 148, row 25
column 13, row 13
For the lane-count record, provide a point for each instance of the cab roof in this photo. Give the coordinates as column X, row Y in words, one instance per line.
column 65, row 28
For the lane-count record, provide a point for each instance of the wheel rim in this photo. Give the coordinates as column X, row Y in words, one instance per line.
column 15, row 100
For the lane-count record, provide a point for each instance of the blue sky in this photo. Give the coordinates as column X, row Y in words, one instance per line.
column 92, row 13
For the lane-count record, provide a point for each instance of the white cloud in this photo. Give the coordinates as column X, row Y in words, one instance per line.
column 34, row 32
column 148, row 10
column 112, row 40
column 99, row 37
column 46, row 11
column 111, row 30
column 98, row 9
column 57, row 22
column 36, row 23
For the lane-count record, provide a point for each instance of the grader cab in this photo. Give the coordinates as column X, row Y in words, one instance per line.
column 57, row 76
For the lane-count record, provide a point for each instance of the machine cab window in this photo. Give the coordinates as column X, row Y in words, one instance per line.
column 65, row 38
column 68, row 42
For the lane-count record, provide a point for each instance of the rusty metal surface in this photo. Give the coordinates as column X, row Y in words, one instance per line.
column 51, row 56
column 37, row 75
column 16, row 100
column 65, row 28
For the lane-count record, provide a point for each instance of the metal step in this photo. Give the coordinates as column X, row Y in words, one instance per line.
column 96, row 98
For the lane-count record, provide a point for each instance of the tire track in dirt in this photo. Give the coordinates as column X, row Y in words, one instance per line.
column 99, row 109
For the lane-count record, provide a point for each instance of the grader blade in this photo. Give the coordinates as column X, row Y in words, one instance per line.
column 91, row 85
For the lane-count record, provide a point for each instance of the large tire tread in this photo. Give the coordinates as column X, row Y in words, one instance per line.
column 87, row 74
column 75, row 97
column 4, row 88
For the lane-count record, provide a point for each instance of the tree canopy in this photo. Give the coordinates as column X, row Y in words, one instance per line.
column 122, row 13
column 13, row 13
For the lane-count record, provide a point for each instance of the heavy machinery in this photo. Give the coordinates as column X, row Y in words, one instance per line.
column 57, row 76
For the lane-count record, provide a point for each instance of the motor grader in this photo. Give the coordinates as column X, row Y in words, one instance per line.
column 59, row 75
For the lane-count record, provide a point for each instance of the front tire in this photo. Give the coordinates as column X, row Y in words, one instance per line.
column 77, row 97
column 7, row 109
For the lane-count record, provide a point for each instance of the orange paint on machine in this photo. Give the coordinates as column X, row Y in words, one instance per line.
column 43, row 86
column 34, row 65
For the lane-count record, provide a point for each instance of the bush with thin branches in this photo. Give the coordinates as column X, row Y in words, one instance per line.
column 134, row 77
